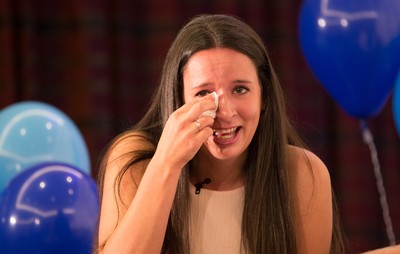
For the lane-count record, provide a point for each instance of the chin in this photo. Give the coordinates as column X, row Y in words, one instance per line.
column 221, row 153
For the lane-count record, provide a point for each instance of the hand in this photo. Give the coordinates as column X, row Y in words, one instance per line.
column 185, row 132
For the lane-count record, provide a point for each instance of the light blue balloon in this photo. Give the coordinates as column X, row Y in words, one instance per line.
column 35, row 132
column 396, row 103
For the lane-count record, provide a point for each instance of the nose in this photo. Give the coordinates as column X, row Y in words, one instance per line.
column 226, row 107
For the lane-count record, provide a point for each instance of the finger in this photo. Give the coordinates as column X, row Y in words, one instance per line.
column 198, row 109
column 204, row 134
column 197, row 106
column 202, row 123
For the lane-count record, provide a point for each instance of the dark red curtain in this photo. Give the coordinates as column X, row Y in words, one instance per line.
column 99, row 61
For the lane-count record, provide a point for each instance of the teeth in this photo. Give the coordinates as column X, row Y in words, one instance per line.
column 226, row 133
column 226, row 136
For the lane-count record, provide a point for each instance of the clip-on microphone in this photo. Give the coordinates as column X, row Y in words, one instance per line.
column 200, row 185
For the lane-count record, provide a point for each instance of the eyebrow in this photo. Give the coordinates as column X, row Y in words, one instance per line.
column 242, row 81
column 202, row 85
column 236, row 81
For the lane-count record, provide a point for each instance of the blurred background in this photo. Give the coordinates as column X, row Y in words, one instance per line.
column 99, row 62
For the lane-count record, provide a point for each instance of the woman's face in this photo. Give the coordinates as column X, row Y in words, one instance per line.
column 233, row 76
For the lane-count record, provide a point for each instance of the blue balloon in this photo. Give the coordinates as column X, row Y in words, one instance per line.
column 353, row 48
column 35, row 132
column 49, row 208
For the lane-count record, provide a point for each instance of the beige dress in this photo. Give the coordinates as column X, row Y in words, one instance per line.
column 215, row 221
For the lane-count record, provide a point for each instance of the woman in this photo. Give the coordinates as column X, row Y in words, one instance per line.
column 214, row 166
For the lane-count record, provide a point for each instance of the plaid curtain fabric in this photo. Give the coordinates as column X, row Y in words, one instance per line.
column 99, row 61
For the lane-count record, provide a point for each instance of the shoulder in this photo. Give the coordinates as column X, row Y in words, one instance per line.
column 124, row 147
column 311, row 193
column 310, row 179
column 127, row 143
column 304, row 165
column 309, row 175
column 120, row 153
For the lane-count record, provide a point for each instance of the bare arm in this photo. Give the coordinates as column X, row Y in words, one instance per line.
column 388, row 250
column 139, row 225
column 314, row 202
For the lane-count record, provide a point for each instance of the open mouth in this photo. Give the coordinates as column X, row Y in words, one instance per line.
column 225, row 134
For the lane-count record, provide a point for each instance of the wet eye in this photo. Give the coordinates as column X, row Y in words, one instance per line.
column 202, row 93
column 240, row 90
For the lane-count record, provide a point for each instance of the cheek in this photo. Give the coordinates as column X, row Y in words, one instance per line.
column 186, row 97
column 185, row 93
column 250, row 111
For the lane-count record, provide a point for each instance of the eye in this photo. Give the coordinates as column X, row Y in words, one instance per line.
column 202, row 93
column 240, row 90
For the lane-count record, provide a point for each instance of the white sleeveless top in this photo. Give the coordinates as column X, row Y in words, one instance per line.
column 216, row 221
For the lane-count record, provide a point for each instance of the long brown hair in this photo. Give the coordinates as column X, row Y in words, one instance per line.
column 268, row 216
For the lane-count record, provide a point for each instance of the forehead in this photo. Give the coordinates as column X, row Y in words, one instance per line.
column 223, row 61
column 218, row 55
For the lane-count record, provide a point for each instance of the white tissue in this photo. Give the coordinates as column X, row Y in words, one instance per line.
column 212, row 113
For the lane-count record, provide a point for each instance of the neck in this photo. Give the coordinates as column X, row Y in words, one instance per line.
column 224, row 174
